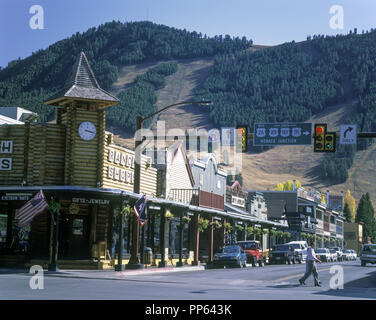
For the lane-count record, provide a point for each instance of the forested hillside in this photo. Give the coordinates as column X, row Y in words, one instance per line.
column 29, row 82
column 141, row 94
column 293, row 81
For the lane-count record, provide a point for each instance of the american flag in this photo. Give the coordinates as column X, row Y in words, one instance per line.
column 33, row 207
column 140, row 210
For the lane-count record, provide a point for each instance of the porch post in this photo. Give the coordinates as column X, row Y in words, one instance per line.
column 211, row 240
column 181, row 235
column 53, row 261
column 142, row 244
column 129, row 235
column 119, row 266
column 152, row 231
column 162, row 234
column 224, row 232
column 196, row 236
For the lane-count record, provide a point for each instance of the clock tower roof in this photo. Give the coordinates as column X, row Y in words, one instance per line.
column 82, row 85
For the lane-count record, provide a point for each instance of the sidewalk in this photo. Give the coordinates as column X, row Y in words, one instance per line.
column 120, row 275
column 107, row 274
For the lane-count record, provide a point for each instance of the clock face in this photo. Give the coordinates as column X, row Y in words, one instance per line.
column 87, row 130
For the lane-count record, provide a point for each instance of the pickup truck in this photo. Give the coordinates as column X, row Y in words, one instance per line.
column 253, row 250
column 283, row 253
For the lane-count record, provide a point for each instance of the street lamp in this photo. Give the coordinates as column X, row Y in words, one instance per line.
column 134, row 261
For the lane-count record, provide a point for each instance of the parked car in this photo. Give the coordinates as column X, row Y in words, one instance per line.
column 253, row 252
column 283, row 253
column 323, row 254
column 300, row 247
column 347, row 255
column 333, row 255
column 354, row 254
column 339, row 253
column 232, row 255
column 368, row 254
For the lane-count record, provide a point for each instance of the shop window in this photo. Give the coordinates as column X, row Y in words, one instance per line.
column 78, row 227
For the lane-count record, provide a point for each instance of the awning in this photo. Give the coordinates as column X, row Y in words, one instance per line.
column 244, row 215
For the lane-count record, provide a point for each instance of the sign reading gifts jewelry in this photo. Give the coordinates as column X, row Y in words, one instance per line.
column 122, row 170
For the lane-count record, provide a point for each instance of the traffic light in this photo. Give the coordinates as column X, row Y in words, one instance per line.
column 319, row 139
column 330, row 142
column 324, row 141
column 243, row 132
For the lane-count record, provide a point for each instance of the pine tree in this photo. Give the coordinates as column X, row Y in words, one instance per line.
column 365, row 213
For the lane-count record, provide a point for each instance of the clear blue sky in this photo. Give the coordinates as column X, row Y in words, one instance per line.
column 266, row 22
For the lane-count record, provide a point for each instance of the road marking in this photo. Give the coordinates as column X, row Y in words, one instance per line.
column 298, row 275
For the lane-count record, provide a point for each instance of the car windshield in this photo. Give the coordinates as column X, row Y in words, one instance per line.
column 295, row 245
column 371, row 249
column 281, row 248
column 232, row 249
column 321, row 251
column 333, row 251
column 249, row 246
column 346, row 251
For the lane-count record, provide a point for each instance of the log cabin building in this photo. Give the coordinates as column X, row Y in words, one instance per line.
column 75, row 162
column 77, row 165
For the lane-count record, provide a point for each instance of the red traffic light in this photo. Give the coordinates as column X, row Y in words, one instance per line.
column 319, row 130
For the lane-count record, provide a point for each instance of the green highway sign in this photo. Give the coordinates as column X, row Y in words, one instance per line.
column 273, row 134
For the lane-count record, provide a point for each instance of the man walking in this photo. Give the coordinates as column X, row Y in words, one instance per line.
column 311, row 266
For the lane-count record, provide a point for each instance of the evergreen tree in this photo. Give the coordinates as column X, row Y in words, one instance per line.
column 365, row 213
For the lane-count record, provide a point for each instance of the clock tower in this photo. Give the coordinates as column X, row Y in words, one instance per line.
column 81, row 104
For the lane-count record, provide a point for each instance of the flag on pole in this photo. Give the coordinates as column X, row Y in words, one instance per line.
column 32, row 208
column 140, row 210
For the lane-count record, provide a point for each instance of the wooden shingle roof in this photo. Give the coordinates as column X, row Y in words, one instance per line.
column 81, row 84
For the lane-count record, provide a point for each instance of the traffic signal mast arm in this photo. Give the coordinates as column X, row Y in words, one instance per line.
column 359, row 135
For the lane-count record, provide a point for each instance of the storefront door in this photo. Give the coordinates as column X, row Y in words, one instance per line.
column 74, row 237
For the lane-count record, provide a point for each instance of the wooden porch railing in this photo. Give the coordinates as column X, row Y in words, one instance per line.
column 197, row 197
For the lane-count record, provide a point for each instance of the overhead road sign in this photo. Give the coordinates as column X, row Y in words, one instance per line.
column 273, row 134
column 347, row 134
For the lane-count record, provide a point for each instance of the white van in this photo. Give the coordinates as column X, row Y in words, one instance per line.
column 301, row 247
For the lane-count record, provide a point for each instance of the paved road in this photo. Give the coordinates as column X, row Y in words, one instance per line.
column 269, row 282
